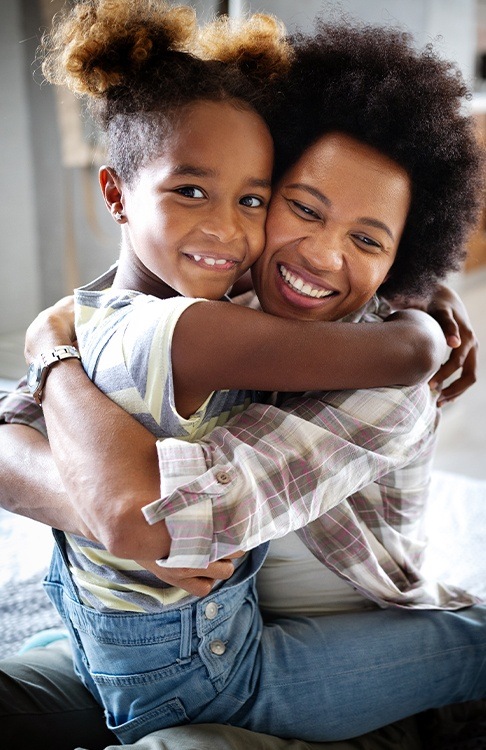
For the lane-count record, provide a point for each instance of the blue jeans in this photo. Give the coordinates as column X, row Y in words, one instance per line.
column 321, row 678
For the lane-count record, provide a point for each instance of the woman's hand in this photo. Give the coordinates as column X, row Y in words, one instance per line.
column 52, row 327
column 450, row 312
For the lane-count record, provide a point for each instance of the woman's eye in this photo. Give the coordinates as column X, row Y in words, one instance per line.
column 304, row 211
column 190, row 191
column 251, row 201
column 367, row 242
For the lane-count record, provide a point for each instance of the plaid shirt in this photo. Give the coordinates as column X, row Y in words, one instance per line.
column 349, row 470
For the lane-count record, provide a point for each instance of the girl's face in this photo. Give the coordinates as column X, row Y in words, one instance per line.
column 195, row 215
column 333, row 229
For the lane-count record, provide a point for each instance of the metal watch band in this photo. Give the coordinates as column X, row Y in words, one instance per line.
column 58, row 353
column 41, row 366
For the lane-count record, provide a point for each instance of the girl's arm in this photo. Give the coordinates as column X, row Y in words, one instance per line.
column 220, row 346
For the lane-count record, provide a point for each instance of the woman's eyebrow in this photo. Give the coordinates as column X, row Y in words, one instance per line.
column 327, row 202
column 377, row 224
column 312, row 191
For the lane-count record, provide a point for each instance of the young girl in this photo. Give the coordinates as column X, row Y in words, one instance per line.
column 134, row 343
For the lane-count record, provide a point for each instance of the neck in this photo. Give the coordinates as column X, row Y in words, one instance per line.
column 132, row 274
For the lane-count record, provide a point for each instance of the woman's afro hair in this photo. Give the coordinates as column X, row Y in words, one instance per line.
column 374, row 85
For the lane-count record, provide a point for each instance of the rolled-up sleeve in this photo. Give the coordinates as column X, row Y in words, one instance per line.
column 270, row 471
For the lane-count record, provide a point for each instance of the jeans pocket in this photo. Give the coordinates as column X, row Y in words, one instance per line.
column 170, row 713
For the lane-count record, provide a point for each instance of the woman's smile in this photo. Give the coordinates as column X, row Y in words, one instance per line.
column 333, row 228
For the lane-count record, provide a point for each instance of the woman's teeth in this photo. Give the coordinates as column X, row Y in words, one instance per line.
column 211, row 261
column 300, row 286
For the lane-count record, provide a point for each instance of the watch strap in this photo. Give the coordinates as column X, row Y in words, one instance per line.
column 46, row 360
column 57, row 354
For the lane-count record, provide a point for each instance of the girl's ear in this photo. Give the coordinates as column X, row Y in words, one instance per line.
column 111, row 187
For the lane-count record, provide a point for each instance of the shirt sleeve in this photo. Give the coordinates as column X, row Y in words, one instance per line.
column 18, row 407
column 270, row 471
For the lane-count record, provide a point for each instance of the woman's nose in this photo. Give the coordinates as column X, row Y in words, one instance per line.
column 323, row 253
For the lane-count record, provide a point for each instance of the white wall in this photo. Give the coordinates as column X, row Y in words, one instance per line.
column 18, row 246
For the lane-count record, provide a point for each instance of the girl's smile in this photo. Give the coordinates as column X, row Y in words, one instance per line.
column 195, row 215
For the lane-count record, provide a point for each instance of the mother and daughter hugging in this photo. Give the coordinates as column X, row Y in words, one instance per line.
column 241, row 542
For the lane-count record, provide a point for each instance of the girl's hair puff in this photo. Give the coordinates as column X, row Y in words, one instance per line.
column 136, row 63
column 258, row 44
column 97, row 44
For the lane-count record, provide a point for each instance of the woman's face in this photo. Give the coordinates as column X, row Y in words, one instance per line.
column 333, row 228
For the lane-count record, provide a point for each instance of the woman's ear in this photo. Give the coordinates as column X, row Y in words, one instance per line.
column 111, row 187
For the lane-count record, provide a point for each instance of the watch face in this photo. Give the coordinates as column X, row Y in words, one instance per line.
column 33, row 376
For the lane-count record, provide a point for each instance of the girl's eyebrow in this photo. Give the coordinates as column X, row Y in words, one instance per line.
column 191, row 171
column 325, row 200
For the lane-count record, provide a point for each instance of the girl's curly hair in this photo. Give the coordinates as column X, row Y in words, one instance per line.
column 139, row 62
column 372, row 84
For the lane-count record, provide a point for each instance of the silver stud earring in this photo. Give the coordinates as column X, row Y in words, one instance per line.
column 118, row 216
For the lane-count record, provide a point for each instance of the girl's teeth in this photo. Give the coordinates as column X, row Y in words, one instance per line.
column 211, row 261
column 299, row 285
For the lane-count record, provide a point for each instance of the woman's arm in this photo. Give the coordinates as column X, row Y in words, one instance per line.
column 31, row 485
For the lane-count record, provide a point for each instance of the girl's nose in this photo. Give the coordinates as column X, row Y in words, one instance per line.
column 223, row 223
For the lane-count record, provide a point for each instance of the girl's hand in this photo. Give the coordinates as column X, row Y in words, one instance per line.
column 52, row 327
column 450, row 312
column 198, row 582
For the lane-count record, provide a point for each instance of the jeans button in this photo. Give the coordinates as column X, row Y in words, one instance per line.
column 217, row 647
column 211, row 610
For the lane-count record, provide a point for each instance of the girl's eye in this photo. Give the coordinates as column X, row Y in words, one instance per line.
column 304, row 211
column 251, row 201
column 189, row 191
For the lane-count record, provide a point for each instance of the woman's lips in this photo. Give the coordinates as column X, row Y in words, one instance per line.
column 300, row 291
column 298, row 284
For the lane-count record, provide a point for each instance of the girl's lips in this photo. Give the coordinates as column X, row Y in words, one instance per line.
column 298, row 288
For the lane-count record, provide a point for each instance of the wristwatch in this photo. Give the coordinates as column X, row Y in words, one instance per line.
column 39, row 368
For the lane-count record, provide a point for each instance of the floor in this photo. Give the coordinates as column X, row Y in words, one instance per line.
column 462, row 436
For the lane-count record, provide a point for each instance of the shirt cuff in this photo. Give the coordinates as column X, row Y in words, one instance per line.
column 187, row 488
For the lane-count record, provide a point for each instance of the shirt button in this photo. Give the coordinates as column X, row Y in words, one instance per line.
column 222, row 477
column 217, row 647
column 211, row 610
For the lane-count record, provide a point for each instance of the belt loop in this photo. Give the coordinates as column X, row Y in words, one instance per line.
column 186, row 634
